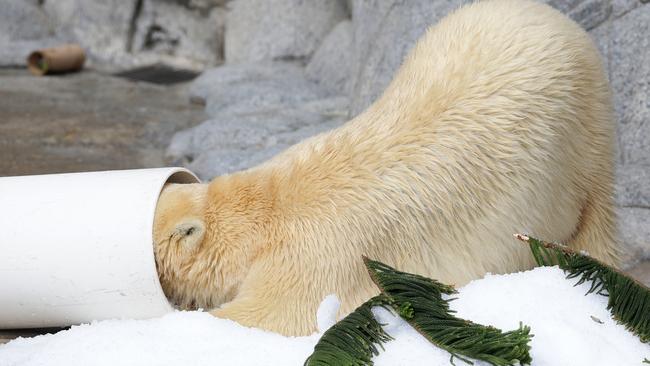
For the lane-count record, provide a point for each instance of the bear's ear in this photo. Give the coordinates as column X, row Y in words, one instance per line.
column 189, row 233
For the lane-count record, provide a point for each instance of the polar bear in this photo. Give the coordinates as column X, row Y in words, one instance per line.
column 499, row 121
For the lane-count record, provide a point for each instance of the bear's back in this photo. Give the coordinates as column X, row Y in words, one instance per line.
column 501, row 107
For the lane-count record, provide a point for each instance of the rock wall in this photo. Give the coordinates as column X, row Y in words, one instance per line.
column 117, row 34
column 279, row 29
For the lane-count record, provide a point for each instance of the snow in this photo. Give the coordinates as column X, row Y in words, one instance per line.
column 563, row 320
column 326, row 314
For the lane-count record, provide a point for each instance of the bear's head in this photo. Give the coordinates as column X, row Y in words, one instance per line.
column 205, row 238
column 179, row 231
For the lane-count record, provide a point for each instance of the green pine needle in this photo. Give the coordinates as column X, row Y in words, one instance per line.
column 353, row 340
column 431, row 316
column 418, row 300
column 629, row 300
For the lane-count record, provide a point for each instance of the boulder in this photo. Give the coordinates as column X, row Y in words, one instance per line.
column 256, row 110
column 24, row 20
column 100, row 27
column 269, row 94
column 633, row 185
column 13, row 53
column 563, row 5
column 625, row 47
column 247, row 88
column 24, row 27
column 212, row 80
column 588, row 13
column 602, row 39
column 193, row 36
column 630, row 72
column 233, row 142
column 117, row 34
column 635, row 233
column 629, row 50
column 263, row 30
column 591, row 13
column 330, row 66
column 621, row 7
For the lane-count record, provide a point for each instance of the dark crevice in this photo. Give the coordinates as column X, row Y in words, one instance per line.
column 157, row 37
column 300, row 60
column 158, row 74
column 133, row 25
column 635, row 206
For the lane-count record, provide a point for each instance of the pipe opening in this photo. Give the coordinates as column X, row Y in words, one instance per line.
column 178, row 177
column 37, row 63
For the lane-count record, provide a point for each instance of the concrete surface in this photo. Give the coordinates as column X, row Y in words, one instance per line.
column 87, row 121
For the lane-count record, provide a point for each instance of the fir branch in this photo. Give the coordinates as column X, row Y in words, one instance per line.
column 353, row 340
column 430, row 315
column 629, row 300
column 418, row 300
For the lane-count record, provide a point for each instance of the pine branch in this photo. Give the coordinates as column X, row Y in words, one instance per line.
column 629, row 300
column 420, row 302
column 353, row 340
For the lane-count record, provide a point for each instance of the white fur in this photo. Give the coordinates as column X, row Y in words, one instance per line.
column 498, row 122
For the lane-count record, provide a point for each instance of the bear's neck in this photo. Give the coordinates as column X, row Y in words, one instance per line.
column 327, row 173
column 324, row 176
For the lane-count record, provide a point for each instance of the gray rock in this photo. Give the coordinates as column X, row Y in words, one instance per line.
column 384, row 32
column 234, row 142
column 267, row 94
column 100, row 27
column 634, row 226
column 633, row 185
column 117, row 34
column 563, row 5
column 331, row 107
column 588, row 13
column 14, row 53
column 193, row 37
column 222, row 77
column 602, row 38
column 330, row 64
column 249, row 87
column 258, row 30
column 591, row 13
column 223, row 161
column 630, row 76
column 630, row 79
column 256, row 110
column 23, row 20
column 621, row 7
column 24, row 27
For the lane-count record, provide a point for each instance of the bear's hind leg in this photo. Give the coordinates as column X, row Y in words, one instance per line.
column 596, row 232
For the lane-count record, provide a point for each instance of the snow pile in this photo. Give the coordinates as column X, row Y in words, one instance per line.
column 569, row 328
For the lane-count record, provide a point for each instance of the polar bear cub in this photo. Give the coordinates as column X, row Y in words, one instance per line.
column 499, row 121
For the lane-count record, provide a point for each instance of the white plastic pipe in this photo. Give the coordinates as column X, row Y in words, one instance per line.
column 78, row 247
